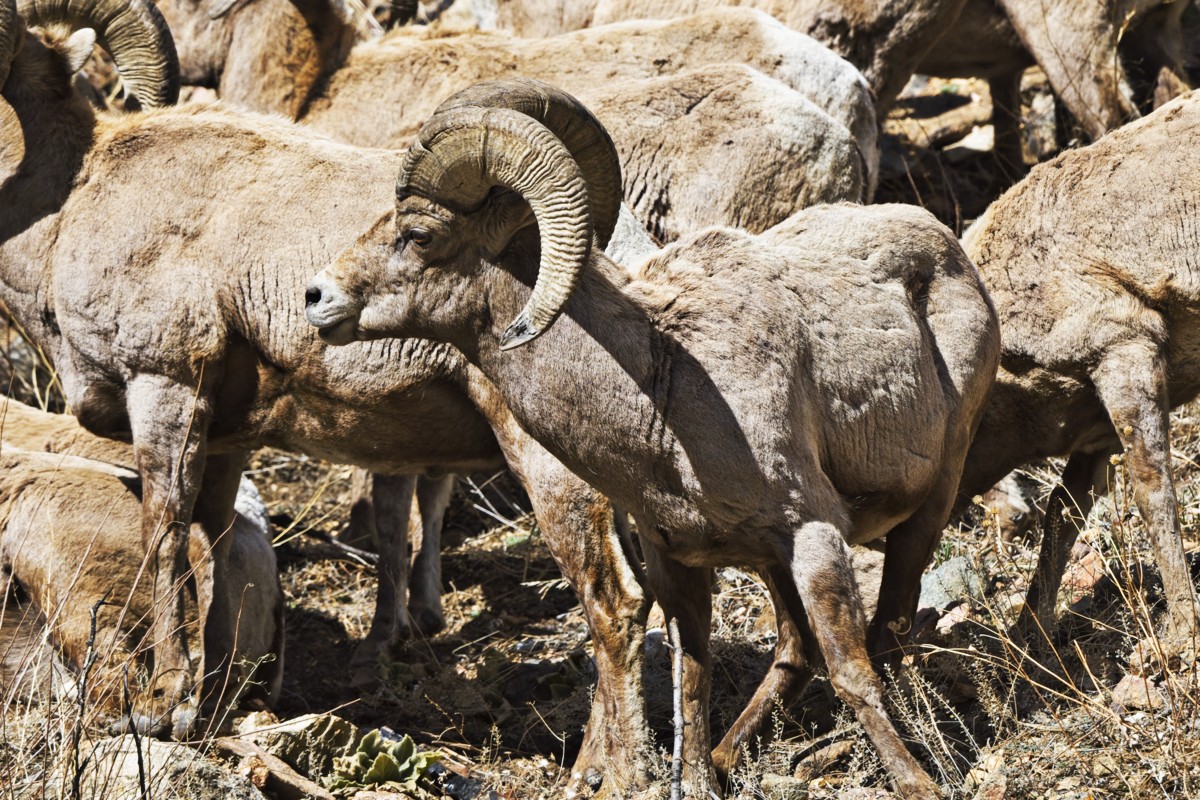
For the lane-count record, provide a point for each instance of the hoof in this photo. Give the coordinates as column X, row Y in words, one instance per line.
column 429, row 621
column 179, row 723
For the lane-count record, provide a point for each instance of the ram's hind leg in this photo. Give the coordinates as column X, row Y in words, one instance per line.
column 1067, row 508
column 790, row 671
column 425, row 583
column 824, row 576
column 908, row 550
column 392, row 499
column 1132, row 383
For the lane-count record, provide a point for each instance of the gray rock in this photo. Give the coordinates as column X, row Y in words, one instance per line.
column 309, row 743
column 950, row 582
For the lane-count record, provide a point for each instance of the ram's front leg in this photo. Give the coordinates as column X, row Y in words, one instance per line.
column 214, row 514
column 425, row 583
column 685, row 595
column 169, row 421
column 392, row 497
column 577, row 525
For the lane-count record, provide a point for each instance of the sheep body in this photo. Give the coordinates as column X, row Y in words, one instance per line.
column 378, row 93
column 757, row 400
column 1075, row 43
column 1090, row 261
column 197, row 350
column 70, row 538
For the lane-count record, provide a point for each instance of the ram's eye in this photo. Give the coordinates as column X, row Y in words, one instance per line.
column 420, row 237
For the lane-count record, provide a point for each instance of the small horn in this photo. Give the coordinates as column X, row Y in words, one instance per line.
column 574, row 125
column 462, row 153
column 10, row 29
column 132, row 31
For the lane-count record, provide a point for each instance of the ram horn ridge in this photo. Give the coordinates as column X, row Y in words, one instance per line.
column 462, row 153
column 132, row 31
column 574, row 125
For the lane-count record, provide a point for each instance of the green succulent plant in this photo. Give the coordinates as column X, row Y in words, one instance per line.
column 382, row 764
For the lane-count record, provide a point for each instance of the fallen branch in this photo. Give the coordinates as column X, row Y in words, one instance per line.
column 342, row 549
column 270, row 772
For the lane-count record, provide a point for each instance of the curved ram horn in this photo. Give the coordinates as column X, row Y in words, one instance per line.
column 460, row 154
column 574, row 125
column 132, row 31
column 10, row 29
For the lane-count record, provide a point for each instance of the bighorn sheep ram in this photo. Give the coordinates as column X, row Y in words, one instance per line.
column 1095, row 52
column 294, row 57
column 69, row 537
column 1091, row 263
column 185, row 334
column 725, row 394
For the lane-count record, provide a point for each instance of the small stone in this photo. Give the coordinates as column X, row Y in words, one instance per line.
column 960, row 613
column 1081, row 576
column 781, row 787
column 1134, row 693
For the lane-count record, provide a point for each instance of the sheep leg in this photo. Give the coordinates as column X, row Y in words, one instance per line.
column 824, row 578
column 169, row 421
column 361, row 532
column 425, row 589
column 789, row 673
column 578, row 528
column 908, row 549
column 1006, row 122
column 685, row 595
column 1155, row 54
column 1073, row 498
column 392, row 496
column 1132, row 384
column 1076, row 45
column 214, row 513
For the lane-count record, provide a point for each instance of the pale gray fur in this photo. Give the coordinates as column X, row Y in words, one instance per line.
column 266, row 56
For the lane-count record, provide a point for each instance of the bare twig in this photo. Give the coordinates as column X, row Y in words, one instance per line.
column 677, row 693
column 89, row 661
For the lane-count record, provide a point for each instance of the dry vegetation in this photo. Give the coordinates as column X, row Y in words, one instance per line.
column 504, row 691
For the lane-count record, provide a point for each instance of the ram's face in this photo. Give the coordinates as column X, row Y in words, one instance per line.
column 413, row 275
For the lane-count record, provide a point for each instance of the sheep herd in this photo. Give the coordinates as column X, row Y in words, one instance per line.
column 633, row 260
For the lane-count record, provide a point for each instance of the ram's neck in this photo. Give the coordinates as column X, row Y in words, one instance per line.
column 594, row 388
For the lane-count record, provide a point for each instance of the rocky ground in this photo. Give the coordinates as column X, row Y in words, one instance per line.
column 501, row 696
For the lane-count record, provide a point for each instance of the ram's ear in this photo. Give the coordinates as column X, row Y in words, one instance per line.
column 78, row 48
column 501, row 218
